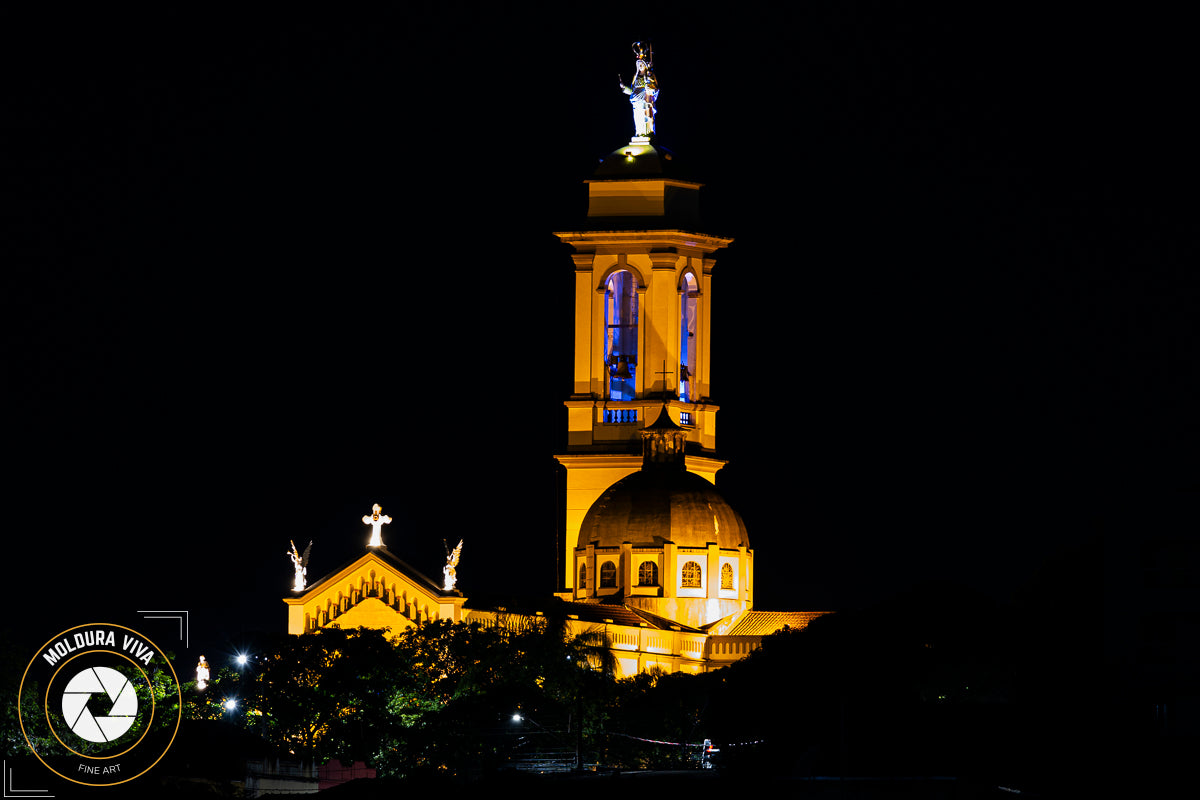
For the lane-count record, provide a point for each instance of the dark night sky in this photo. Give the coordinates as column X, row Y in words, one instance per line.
column 261, row 273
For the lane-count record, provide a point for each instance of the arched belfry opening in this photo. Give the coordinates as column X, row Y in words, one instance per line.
column 621, row 334
column 689, row 297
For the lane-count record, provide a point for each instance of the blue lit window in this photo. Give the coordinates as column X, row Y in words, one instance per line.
column 688, row 295
column 620, row 340
column 685, row 418
column 620, row 415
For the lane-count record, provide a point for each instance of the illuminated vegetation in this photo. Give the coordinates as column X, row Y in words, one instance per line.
column 436, row 698
column 873, row 693
column 441, row 698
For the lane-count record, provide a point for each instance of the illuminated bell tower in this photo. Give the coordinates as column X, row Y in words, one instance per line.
column 643, row 332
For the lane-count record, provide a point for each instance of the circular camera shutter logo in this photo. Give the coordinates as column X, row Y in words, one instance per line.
column 99, row 681
column 99, row 704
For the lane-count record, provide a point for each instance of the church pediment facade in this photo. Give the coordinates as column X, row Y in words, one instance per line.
column 377, row 590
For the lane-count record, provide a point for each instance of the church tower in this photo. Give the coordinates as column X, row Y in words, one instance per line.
column 643, row 332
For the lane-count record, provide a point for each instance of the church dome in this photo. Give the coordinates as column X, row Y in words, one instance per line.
column 641, row 160
column 653, row 506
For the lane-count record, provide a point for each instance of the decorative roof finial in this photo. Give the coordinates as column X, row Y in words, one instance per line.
column 376, row 520
column 643, row 93
column 663, row 443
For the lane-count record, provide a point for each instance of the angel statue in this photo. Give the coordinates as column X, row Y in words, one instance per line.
column 643, row 94
column 448, row 571
column 300, row 562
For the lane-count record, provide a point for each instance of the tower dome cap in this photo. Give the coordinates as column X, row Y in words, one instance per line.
column 653, row 506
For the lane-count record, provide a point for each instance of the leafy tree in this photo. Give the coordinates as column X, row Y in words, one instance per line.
column 464, row 683
column 441, row 698
column 324, row 694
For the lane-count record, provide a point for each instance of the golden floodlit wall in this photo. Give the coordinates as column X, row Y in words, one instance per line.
column 600, row 430
column 373, row 593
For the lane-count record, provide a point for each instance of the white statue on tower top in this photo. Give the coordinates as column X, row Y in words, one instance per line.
column 376, row 520
column 300, row 563
column 449, row 572
column 643, row 94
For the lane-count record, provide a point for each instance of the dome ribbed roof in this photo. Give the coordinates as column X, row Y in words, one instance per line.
column 636, row 160
column 653, row 506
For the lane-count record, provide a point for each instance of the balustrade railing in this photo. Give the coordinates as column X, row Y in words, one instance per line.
column 620, row 415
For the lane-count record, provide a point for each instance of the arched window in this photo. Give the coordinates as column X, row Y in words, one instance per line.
column 648, row 574
column 691, row 575
column 727, row 576
column 620, row 338
column 688, row 295
column 608, row 575
column 583, row 576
